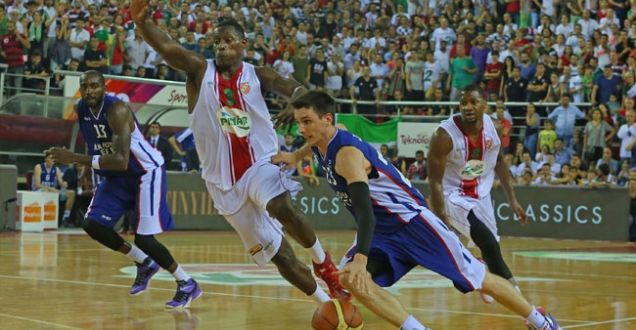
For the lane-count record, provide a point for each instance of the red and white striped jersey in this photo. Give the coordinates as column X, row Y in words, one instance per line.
column 470, row 166
column 231, row 125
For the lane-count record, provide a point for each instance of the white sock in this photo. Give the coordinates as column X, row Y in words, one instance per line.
column 536, row 319
column 317, row 253
column 67, row 214
column 180, row 274
column 136, row 254
column 319, row 295
column 412, row 324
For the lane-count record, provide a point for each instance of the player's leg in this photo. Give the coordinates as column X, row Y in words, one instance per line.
column 263, row 239
column 68, row 207
column 297, row 273
column 438, row 249
column 489, row 247
column 378, row 300
column 270, row 188
column 105, row 208
column 153, row 218
column 506, row 294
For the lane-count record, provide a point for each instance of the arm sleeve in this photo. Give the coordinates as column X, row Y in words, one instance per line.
column 361, row 201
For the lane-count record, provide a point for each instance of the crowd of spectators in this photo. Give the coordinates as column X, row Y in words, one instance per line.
column 535, row 51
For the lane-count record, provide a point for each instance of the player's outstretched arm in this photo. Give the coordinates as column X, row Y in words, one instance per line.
column 273, row 82
column 441, row 145
column 121, row 124
column 354, row 167
column 170, row 50
column 503, row 173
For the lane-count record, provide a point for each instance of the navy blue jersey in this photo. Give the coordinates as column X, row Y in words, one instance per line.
column 48, row 177
column 99, row 139
column 395, row 200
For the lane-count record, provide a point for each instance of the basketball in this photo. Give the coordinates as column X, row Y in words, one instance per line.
column 337, row 314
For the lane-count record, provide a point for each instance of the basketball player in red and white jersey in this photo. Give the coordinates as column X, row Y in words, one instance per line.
column 462, row 162
column 235, row 140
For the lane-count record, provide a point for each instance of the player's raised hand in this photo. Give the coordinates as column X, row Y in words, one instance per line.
column 520, row 212
column 285, row 118
column 139, row 11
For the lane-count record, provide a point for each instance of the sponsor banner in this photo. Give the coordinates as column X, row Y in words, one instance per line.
column 564, row 212
column 133, row 92
column 412, row 137
column 579, row 213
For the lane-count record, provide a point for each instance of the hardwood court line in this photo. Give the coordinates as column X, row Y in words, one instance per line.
column 258, row 297
column 602, row 322
column 617, row 277
column 47, row 323
column 509, row 316
column 156, row 289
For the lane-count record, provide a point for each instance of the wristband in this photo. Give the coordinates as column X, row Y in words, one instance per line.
column 96, row 162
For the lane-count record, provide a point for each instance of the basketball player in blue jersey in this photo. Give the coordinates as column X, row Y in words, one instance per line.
column 47, row 178
column 133, row 178
column 396, row 230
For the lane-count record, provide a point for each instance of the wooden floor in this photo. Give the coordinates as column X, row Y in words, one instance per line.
column 65, row 280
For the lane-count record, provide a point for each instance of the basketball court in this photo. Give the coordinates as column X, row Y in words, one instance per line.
column 64, row 280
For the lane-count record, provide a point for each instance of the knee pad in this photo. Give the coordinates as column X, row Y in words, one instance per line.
column 157, row 251
column 107, row 236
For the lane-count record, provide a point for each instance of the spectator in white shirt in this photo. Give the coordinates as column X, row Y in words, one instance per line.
column 137, row 50
column 627, row 134
column 284, row 66
column 78, row 39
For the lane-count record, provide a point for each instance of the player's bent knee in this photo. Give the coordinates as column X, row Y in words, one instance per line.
column 279, row 206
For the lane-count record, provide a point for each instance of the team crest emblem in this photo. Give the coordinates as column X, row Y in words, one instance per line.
column 488, row 144
column 474, row 168
column 245, row 88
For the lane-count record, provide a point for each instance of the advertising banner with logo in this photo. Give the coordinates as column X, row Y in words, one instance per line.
column 412, row 137
column 576, row 213
column 134, row 92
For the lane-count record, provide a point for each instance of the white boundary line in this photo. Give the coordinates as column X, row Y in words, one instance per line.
column 602, row 322
column 46, row 323
column 269, row 298
column 509, row 316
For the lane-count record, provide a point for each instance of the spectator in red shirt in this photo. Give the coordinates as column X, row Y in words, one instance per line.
column 505, row 127
column 417, row 170
column 493, row 76
column 12, row 54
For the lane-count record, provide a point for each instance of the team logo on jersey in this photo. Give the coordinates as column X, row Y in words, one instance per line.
column 234, row 121
column 474, row 168
column 488, row 144
column 245, row 88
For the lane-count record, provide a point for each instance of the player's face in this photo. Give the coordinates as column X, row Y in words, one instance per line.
column 228, row 47
column 92, row 90
column 471, row 107
column 311, row 126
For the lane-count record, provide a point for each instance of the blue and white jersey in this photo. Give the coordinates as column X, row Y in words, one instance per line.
column 99, row 139
column 185, row 139
column 395, row 200
column 48, row 176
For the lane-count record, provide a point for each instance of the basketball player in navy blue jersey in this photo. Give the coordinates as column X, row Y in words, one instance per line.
column 396, row 230
column 133, row 178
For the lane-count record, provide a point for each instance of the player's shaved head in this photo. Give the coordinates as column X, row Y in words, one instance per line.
column 92, row 73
